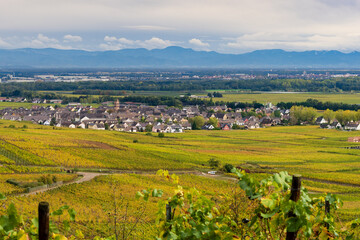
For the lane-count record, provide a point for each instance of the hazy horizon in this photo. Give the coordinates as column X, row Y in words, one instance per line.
column 230, row 26
column 197, row 50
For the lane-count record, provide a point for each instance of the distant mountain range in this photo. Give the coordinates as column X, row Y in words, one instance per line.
column 174, row 57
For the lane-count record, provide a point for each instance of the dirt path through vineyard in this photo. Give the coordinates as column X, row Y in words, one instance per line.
column 86, row 176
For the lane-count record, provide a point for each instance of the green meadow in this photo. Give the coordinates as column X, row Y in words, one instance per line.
column 21, row 104
column 261, row 97
column 238, row 96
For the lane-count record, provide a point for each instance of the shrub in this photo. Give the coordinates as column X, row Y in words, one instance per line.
column 13, row 182
column 148, row 128
column 213, row 163
column 135, row 141
column 161, row 135
column 54, row 179
column 47, row 179
column 228, row 167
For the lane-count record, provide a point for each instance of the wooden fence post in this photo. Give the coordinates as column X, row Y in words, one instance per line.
column 43, row 221
column 168, row 213
column 295, row 195
column 327, row 211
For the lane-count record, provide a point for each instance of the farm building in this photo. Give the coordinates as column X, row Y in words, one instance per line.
column 354, row 139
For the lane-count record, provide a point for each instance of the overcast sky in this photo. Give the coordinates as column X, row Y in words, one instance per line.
column 230, row 26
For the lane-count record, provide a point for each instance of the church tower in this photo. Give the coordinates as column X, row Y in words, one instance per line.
column 117, row 105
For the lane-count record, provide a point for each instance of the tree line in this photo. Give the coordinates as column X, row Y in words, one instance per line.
column 319, row 105
column 300, row 85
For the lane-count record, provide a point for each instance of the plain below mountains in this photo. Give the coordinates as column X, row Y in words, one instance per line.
column 174, row 57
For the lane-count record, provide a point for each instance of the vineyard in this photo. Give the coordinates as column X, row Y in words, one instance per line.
column 307, row 150
column 94, row 201
column 321, row 156
column 111, row 205
column 7, row 188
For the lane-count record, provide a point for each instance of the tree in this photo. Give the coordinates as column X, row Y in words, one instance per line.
column 277, row 113
column 53, row 122
column 148, row 128
column 348, row 116
column 357, row 115
column 213, row 121
column 213, row 163
column 299, row 114
column 197, row 122
column 295, row 114
column 228, row 167
column 217, row 94
column 329, row 115
column 339, row 115
column 309, row 114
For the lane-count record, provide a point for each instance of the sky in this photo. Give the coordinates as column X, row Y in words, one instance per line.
column 226, row 26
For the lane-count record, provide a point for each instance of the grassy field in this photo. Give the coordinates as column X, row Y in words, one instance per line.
column 132, row 93
column 241, row 96
column 350, row 98
column 20, row 104
column 163, row 93
column 317, row 154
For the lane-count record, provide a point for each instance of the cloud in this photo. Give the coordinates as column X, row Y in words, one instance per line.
column 45, row 39
column 115, row 40
column 156, row 42
column 4, row 44
column 197, row 42
column 296, row 42
column 203, row 16
column 126, row 41
column 237, row 20
column 42, row 41
column 72, row 38
column 110, row 39
column 110, row 47
column 113, row 43
column 149, row 28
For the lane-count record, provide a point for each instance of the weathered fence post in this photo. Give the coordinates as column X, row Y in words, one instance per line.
column 327, row 211
column 43, row 221
column 168, row 213
column 295, row 195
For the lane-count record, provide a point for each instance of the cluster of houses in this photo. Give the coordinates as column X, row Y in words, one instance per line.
column 135, row 117
column 349, row 126
column 35, row 100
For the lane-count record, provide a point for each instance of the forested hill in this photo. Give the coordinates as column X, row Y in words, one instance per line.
column 176, row 57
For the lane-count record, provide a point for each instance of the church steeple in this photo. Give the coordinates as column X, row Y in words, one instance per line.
column 117, row 105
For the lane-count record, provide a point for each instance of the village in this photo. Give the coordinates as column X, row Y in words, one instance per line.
column 137, row 117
